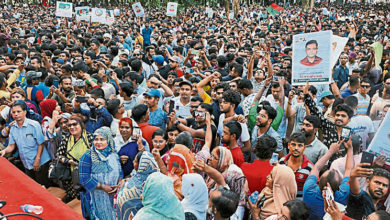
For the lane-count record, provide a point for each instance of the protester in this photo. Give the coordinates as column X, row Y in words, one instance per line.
column 211, row 95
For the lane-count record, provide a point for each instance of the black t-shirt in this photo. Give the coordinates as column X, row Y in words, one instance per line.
column 199, row 142
column 359, row 205
column 163, row 71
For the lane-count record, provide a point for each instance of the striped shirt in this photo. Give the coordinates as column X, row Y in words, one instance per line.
column 301, row 173
column 363, row 103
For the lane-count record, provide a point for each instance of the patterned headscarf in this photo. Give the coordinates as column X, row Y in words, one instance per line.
column 100, row 157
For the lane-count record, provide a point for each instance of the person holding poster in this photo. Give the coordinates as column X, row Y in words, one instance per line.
column 314, row 66
column 172, row 9
column 64, row 9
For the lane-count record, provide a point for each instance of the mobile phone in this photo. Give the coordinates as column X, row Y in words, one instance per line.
column 171, row 106
column 55, row 83
column 274, row 159
column 367, row 157
column 189, row 70
column 329, row 196
column 136, row 132
column 82, row 99
column 346, row 133
column 200, row 114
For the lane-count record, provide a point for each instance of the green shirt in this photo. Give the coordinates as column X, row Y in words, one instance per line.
column 253, row 115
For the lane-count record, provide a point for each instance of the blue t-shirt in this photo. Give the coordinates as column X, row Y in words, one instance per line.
column 158, row 118
column 312, row 196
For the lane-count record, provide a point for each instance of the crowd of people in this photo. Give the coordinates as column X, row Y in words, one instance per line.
column 194, row 116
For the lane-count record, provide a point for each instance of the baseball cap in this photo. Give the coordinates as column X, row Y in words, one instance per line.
column 79, row 83
column 325, row 94
column 153, row 93
column 158, row 59
column 123, row 51
column 352, row 55
column 65, row 115
column 185, row 82
column 175, row 59
column 61, row 61
column 107, row 35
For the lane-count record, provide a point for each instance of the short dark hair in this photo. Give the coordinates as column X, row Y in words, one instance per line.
column 354, row 80
column 232, row 97
column 298, row 137
column 314, row 120
column 139, row 111
column 333, row 178
column 160, row 132
column 185, row 139
column 271, row 112
column 382, row 214
column 127, row 88
column 234, row 128
column 22, row 105
column 311, row 42
column 196, row 99
column 344, row 108
column 223, row 86
column 380, row 172
column 226, row 204
column 136, row 65
column 298, row 209
column 265, row 146
column 245, row 84
column 351, row 101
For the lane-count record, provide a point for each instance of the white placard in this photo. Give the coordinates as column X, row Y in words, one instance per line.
column 172, row 9
column 82, row 13
column 64, row 9
column 138, row 9
column 98, row 15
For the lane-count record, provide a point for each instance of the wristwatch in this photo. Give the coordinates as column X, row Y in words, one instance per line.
column 177, row 123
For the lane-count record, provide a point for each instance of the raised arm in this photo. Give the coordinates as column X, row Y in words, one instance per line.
column 324, row 159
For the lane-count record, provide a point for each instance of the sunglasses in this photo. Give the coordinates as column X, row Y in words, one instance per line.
column 365, row 86
column 200, row 114
column 73, row 125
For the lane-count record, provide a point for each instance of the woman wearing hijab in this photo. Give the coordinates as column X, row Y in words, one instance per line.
column 180, row 162
column 280, row 188
column 73, row 145
column 100, row 171
column 159, row 200
column 128, row 199
column 195, row 196
column 222, row 160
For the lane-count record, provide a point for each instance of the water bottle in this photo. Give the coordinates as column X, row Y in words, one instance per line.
column 32, row 209
column 254, row 197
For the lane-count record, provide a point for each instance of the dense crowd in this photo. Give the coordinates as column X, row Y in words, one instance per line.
column 194, row 116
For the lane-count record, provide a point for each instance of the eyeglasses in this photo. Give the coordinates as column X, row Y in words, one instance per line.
column 136, row 54
column 158, row 141
column 193, row 106
column 73, row 125
column 365, row 86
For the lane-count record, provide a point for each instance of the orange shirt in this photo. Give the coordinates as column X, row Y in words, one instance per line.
column 147, row 132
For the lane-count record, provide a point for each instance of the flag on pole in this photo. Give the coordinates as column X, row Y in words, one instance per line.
column 274, row 9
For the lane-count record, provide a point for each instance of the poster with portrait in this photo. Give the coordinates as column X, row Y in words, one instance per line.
column 380, row 144
column 64, row 9
column 172, row 9
column 209, row 12
column 311, row 58
column 110, row 18
column 82, row 13
column 138, row 9
column 98, row 15
column 337, row 47
column 117, row 12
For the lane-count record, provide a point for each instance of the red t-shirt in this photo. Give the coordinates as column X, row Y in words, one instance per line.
column 238, row 157
column 147, row 132
column 256, row 173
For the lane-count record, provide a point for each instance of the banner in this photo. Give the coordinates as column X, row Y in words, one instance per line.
column 110, row 18
column 98, row 15
column 378, row 50
column 380, row 144
column 311, row 58
column 138, row 9
column 172, row 9
column 64, row 9
column 209, row 12
column 337, row 45
column 82, row 13
column 274, row 9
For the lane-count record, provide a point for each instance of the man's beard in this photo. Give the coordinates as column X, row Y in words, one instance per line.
column 225, row 111
column 67, row 90
column 307, row 133
column 227, row 142
column 262, row 125
column 372, row 193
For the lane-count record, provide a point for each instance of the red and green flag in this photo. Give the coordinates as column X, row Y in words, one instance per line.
column 274, row 9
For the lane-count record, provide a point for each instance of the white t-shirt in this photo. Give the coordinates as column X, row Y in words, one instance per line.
column 244, row 133
column 182, row 110
column 362, row 125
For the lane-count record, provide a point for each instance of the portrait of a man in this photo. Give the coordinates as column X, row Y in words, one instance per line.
column 311, row 58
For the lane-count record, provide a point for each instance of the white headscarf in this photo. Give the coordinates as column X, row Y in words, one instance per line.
column 195, row 194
